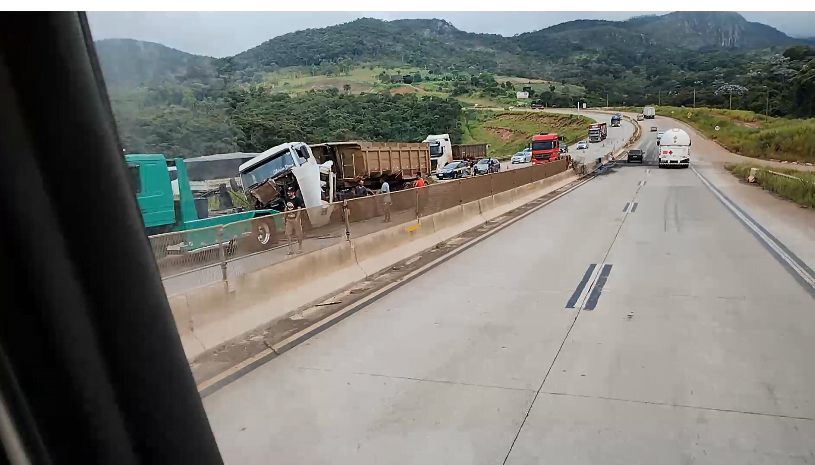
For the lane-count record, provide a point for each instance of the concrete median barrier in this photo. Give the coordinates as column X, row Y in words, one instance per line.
column 213, row 315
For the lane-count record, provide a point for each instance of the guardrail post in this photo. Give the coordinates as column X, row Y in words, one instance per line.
column 492, row 189
column 222, row 254
column 460, row 192
column 345, row 213
column 417, row 189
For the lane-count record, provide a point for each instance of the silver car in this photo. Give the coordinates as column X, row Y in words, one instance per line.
column 582, row 145
column 524, row 156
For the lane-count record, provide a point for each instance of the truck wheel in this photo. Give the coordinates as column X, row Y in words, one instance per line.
column 262, row 236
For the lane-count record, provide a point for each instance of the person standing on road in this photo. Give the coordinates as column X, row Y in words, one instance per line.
column 386, row 200
column 293, row 227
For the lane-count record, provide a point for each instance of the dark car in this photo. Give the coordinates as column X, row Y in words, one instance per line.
column 635, row 155
column 456, row 169
column 486, row 166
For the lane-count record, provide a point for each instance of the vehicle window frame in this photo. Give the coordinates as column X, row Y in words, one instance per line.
column 136, row 189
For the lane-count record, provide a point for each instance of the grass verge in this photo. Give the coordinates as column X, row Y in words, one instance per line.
column 508, row 132
column 800, row 191
column 750, row 134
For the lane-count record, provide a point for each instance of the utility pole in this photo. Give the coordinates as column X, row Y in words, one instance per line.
column 768, row 103
column 731, row 99
column 659, row 97
column 694, row 98
column 606, row 100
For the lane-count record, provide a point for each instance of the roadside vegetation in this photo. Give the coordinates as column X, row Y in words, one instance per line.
column 748, row 133
column 508, row 132
column 800, row 191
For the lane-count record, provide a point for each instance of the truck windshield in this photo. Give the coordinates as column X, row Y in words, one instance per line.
column 543, row 144
column 435, row 149
column 267, row 169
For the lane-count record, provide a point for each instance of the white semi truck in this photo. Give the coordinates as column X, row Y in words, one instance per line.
column 441, row 151
column 674, row 148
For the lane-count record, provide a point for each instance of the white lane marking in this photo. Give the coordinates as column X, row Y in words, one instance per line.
column 584, row 296
column 758, row 232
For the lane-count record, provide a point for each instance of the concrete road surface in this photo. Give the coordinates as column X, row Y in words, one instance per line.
column 634, row 320
column 616, row 137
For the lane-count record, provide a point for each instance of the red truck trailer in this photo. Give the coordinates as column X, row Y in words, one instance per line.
column 597, row 132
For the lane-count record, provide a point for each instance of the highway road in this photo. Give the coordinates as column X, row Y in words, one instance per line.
column 616, row 138
column 636, row 319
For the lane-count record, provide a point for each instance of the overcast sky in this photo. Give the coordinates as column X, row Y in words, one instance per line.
column 222, row 34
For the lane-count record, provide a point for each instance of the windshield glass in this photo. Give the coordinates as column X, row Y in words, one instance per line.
column 543, row 144
column 483, row 162
column 435, row 149
column 453, row 165
column 268, row 168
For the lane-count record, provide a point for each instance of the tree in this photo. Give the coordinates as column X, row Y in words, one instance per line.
column 346, row 88
column 551, row 88
column 731, row 89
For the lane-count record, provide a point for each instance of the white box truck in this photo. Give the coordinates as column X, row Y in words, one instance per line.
column 649, row 112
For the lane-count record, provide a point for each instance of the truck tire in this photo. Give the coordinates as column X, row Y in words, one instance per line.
column 262, row 237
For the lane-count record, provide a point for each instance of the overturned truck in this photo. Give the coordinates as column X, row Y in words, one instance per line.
column 325, row 173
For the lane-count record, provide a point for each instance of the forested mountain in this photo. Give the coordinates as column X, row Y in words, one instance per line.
column 133, row 62
column 709, row 29
column 185, row 104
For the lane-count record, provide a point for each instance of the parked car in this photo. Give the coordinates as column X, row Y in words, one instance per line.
column 583, row 145
column 640, row 117
column 653, row 129
column 487, row 166
column 456, row 169
column 524, row 156
column 635, row 155
column 659, row 136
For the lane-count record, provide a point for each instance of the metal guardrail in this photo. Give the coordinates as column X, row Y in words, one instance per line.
column 199, row 257
column 754, row 172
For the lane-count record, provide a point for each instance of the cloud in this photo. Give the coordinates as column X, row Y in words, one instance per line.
column 222, row 34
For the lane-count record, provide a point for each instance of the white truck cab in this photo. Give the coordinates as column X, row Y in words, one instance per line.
column 674, row 148
column 297, row 159
column 441, row 151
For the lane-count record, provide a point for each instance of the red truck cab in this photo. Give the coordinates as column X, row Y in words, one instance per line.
column 545, row 148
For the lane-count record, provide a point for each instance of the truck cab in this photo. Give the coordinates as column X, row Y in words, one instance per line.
column 267, row 177
column 441, row 151
column 153, row 183
column 545, row 147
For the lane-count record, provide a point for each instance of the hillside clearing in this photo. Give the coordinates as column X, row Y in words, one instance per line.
column 508, row 132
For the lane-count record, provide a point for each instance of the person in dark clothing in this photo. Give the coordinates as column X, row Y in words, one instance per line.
column 361, row 191
column 294, row 227
column 296, row 199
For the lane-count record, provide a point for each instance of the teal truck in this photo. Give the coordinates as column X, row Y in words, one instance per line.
column 152, row 178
